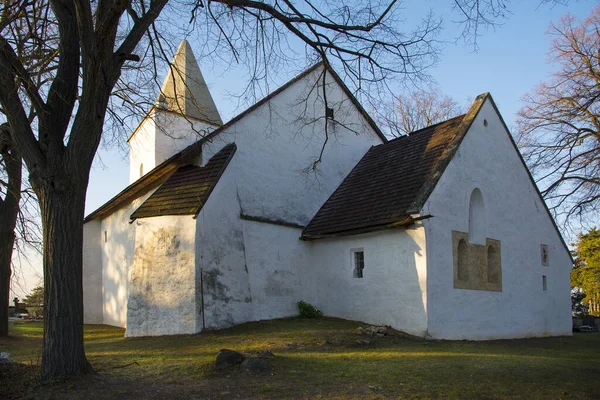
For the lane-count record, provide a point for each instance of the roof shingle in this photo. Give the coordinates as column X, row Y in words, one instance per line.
column 187, row 190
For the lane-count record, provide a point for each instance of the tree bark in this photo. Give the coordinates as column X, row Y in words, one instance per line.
column 9, row 211
column 6, row 248
column 62, row 202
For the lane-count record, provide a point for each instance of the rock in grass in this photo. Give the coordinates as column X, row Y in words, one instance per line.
column 228, row 358
column 5, row 358
column 254, row 364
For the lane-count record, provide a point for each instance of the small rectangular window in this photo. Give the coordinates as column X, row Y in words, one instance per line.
column 329, row 113
column 544, row 248
column 544, row 283
column 105, row 237
column 359, row 263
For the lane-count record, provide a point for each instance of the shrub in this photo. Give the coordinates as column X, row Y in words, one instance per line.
column 307, row 310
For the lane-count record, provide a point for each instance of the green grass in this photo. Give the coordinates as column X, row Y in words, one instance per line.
column 304, row 366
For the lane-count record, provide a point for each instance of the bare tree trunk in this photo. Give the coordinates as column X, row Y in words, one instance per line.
column 6, row 247
column 9, row 211
column 62, row 201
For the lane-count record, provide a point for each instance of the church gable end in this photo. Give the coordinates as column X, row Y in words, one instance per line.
column 483, row 243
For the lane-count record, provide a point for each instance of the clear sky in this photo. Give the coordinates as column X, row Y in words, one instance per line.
column 510, row 61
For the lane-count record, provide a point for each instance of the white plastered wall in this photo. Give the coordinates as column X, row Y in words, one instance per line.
column 117, row 258
column 393, row 288
column 224, row 290
column 256, row 270
column 92, row 273
column 162, row 299
column 159, row 136
column 278, row 142
column 515, row 216
column 278, row 269
column 141, row 148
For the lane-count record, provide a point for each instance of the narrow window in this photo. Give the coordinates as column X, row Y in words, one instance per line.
column 141, row 169
column 493, row 265
column 105, row 237
column 463, row 263
column 544, row 248
column 359, row 263
column 476, row 218
column 544, row 283
column 329, row 113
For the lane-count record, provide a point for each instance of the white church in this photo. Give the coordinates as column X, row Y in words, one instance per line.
column 441, row 234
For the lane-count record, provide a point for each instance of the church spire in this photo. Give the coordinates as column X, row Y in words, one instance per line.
column 184, row 90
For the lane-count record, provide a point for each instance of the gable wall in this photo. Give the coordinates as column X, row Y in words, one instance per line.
column 255, row 270
column 280, row 139
column 515, row 216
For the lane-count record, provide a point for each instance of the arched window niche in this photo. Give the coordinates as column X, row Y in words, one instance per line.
column 476, row 218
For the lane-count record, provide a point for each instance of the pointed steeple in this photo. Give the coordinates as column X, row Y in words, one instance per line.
column 184, row 90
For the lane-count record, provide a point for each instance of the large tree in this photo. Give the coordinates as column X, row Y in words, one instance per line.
column 560, row 124
column 96, row 39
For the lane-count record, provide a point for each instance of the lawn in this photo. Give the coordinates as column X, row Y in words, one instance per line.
column 313, row 359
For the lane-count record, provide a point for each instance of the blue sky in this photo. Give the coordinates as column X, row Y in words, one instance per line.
column 510, row 61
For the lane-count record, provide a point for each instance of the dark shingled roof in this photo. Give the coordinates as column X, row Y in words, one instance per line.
column 187, row 190
column 382, row 188
column 392, row 180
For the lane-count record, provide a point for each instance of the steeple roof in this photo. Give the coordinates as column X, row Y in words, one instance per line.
column 184, row 90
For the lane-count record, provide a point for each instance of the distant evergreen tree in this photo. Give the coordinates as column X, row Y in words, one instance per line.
column 586, row 272
column 35, row 302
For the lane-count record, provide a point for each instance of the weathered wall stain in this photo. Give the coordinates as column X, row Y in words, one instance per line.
column 214, row 287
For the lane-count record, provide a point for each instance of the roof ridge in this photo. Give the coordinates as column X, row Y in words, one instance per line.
column 427, row 127
column 425, row 191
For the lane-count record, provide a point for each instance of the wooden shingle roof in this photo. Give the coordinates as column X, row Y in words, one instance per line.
column 188, row 189
column 393, row 180
column 381, row 190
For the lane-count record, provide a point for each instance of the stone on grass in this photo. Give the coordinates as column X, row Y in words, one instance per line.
column 5, row 358
column 254, row 364
column 228, row 358
column 373, row 330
